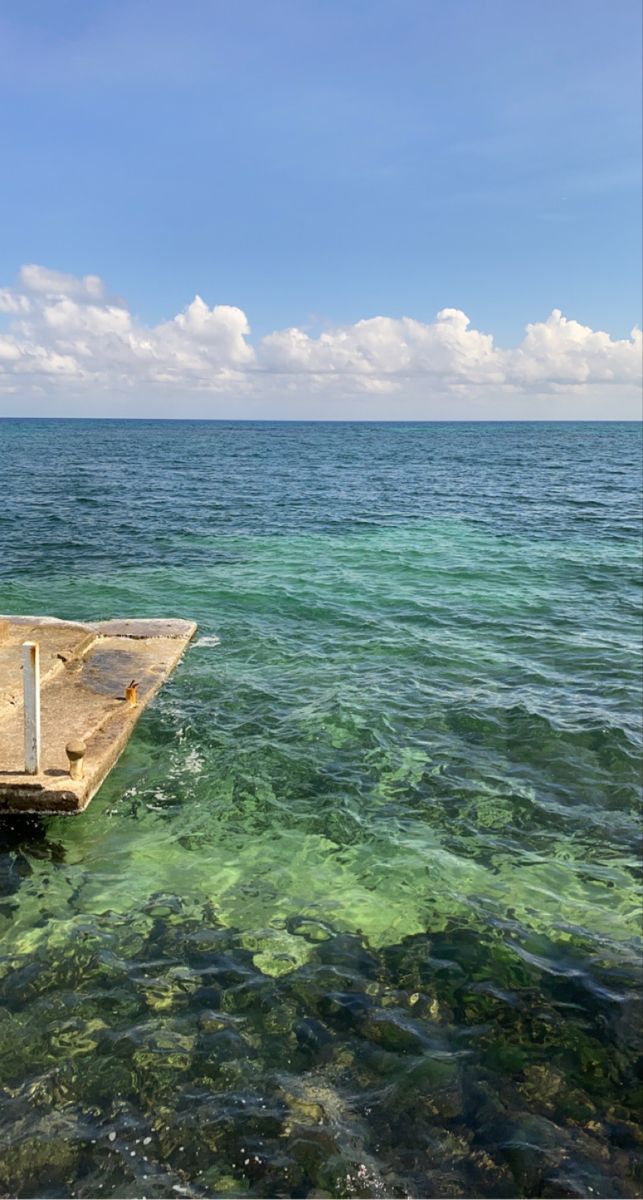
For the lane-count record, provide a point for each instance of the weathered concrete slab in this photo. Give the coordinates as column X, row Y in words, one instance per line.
column 85, row 669
column 59, row 642
column 142, row 628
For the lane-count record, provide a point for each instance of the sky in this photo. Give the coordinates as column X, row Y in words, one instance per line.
column 411, row 209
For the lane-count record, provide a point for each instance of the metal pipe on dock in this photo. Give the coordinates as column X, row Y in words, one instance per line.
column 31, row 692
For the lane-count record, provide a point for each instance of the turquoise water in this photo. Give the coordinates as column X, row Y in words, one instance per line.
column 358, row 911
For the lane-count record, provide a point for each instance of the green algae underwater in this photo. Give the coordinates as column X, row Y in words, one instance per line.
column 358, row 911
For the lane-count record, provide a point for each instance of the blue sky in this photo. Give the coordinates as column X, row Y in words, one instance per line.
column 318, row 163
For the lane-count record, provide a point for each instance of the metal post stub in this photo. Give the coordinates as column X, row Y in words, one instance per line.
column 31, row 691
column 75, row 752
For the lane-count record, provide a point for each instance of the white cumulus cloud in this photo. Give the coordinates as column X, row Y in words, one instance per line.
column 44, row 281
column 561, row 351
column 388, row 350
column 67, row 341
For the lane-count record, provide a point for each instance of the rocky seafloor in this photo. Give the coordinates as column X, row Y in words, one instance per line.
column 153, row 1058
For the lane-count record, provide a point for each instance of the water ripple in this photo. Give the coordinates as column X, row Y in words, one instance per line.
column 358, row 912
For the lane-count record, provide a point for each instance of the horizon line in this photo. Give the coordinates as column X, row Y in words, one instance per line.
column 340, row 420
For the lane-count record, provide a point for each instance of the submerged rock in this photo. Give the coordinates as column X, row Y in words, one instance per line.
column 208, row 996
column 532, row 1146
column 345, row 1009
column 41, row 1158
column 542, row 1083
column 394, row 1030
column 210, row 1021
column 348, row 952
column 312, row 930
column 313, row 1040
column 220, row 1045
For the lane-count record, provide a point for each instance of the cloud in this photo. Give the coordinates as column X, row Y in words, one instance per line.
column 561, row 351
column 67, row 337
column 44, row 281
column 386, row 351
column 68, row 326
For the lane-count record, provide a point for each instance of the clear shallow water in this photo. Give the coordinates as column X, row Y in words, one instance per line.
column 357, row 913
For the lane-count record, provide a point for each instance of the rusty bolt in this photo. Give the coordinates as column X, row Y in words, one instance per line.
column 130, row 694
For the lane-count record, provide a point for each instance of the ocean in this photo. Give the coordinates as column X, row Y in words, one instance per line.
column 358, row 911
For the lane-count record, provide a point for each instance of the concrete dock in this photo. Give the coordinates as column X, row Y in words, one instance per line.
column 88, row 707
